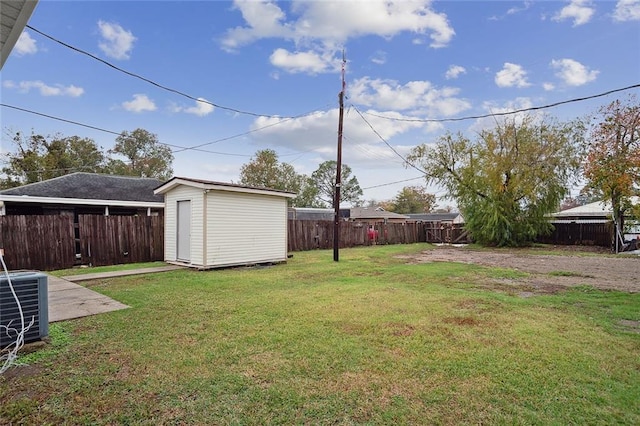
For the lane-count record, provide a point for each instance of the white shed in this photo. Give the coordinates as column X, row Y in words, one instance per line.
column 213, row 224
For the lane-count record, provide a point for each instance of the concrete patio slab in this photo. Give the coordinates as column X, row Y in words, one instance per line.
column 68, row 301
column 99, row 275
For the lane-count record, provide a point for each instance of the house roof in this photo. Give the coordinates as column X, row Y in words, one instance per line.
column 374, row 213
column 434, row 217
column 79, row 188
column 219, row 186
column 13, row 17
column 597, row 209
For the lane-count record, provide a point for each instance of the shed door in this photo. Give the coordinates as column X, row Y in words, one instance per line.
column 184, row 230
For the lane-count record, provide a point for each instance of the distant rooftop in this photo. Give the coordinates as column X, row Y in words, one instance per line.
column 92, row 186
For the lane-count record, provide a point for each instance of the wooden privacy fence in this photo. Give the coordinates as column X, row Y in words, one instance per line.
column 112, row 240
column 37, row 242
column 318, row 234
column 585, row 234
column 50, row 242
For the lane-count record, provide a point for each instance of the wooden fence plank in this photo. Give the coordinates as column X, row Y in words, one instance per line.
column 37, row 242
column 111, row 240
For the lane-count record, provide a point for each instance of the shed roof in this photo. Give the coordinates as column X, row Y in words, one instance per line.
column 89, row 186
column 220, row 186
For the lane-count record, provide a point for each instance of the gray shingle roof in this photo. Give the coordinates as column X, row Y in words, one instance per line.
column 92, row 186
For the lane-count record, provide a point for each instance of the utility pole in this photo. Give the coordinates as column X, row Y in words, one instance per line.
column 336, row 199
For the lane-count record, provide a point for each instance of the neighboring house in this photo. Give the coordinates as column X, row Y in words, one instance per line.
column 84, row 193
column 213, row 224
column 373, row 215
column 449, row 218
column 598, row 212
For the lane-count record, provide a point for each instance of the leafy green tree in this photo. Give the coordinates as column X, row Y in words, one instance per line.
column 266, row 171
column 144, row 156
column 413, row 199
column 38, row 158
column 509, row 179
column 308, row 195
column 324, row 179
column 613, row 160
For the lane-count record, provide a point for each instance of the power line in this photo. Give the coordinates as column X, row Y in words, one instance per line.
column 497, row 114
column 131, row 74
column 387, row 143
column 284, row 119
column 392, row 183
column 60, row 119
column 181, row 148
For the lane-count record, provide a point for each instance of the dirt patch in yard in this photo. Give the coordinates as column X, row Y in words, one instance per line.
column 546, row 273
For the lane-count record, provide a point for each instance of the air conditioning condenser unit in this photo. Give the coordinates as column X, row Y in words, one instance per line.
column 31, row 289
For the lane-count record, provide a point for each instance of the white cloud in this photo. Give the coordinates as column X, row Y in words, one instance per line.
column 44, row 89
column 509, row 106
column 117, row 42
column 420, row 97
column 572, row 72
column 581, row 11
column 331, row 23
column 317, row 133
column 25, row 45
column 309, row 62
column 379, row 57
column 319, row 28
column 627, row 10
column 200, row 109
column 512, row 11
column 548, row 86
column 140, row 103
column 454, row 71
column 512, row 75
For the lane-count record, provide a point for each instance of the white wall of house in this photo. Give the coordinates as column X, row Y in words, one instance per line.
column 245, row 228
column 196, row 196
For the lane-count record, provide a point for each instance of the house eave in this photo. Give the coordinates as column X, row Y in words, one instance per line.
column 78, row 201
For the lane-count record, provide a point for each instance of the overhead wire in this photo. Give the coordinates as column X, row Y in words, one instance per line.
column 180, row 148
column 498, row 114
column 387, row 143
column 149, row 81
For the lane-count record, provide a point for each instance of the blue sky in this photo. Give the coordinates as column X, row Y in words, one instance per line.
column 275, row 60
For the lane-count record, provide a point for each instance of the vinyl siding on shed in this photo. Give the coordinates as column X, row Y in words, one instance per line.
column 182, row 193
column 245, row 228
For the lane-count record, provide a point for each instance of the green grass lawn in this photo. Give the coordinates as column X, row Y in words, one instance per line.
column 368, row 340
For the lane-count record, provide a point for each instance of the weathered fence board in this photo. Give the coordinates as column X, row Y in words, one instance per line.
column 111, row 240
column 313, row 234
column 37, row 242
column 586, row 234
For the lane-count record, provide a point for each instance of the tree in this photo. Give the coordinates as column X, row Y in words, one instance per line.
column 612, row 167
column 145, row 155
column 413, row 199
column 38, row 158
column 324, row 179
column 509, row 179
column 265, row 171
